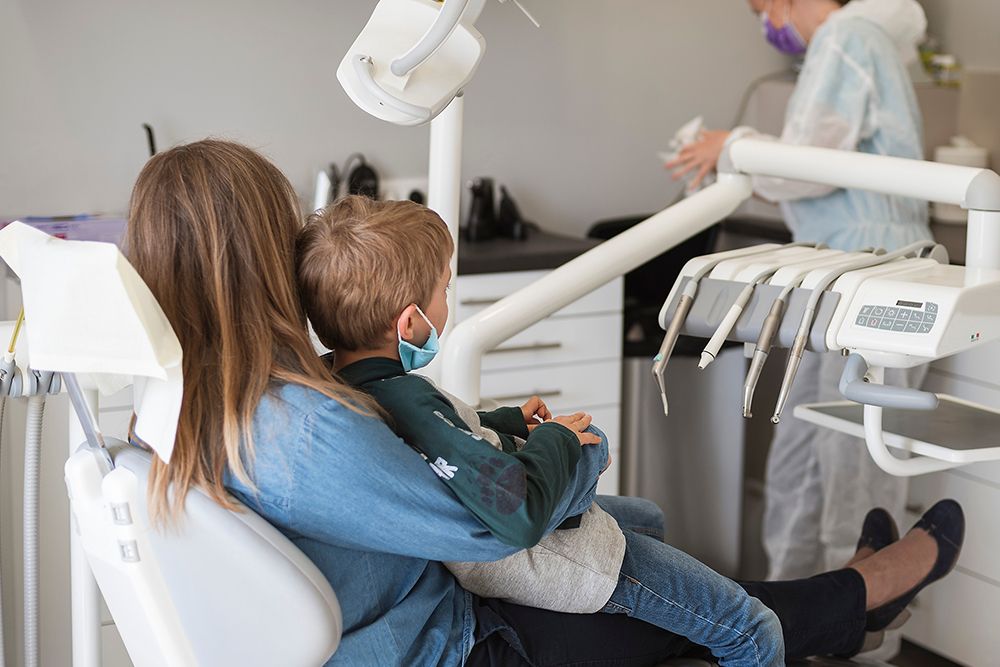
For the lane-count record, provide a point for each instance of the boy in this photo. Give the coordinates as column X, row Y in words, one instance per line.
column 373, row 278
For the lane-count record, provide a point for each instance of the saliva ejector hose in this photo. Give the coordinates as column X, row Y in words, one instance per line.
column 688, row 294
column 805, row 324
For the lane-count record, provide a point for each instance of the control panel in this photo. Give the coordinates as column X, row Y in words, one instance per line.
column 911, row 317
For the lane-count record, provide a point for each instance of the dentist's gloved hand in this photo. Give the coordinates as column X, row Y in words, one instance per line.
column 701, row 156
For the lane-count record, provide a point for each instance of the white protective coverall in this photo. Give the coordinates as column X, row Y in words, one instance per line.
column 854, row 93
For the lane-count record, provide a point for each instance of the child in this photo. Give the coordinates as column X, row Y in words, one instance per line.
column 373, row 278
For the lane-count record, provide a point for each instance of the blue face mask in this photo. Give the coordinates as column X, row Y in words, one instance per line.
column 413, row 357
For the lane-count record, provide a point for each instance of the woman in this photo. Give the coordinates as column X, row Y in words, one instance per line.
column 853, row 94
column 211, row 230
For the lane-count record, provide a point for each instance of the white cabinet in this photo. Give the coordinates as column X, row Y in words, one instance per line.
column 957, row 617
column 572, row 360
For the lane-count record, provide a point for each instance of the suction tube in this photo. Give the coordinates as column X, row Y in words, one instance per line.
column 32, row 466
column 805, row 324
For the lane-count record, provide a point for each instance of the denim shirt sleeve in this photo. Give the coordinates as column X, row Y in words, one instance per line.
column 357, row 485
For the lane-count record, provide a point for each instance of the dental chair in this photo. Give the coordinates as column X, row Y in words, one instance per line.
column 216, row 588
column 210, row 587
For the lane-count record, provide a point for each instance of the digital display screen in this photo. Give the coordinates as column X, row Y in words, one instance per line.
column 910, row 304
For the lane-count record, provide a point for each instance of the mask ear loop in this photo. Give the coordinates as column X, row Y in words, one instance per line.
column 399, row 334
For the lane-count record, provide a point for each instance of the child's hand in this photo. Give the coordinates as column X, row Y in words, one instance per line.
column 578, row 423
column 535, row 412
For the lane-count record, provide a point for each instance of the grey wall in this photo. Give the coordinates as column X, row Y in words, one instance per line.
column 570, row 116
column 967, row 28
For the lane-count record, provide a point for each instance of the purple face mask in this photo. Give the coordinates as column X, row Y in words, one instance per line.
column 786, row 38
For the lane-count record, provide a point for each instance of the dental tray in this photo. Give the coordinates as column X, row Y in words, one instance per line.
column 972, row 431
column 716, row 296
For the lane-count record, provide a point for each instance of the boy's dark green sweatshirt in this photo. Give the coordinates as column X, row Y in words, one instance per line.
column 513, row 492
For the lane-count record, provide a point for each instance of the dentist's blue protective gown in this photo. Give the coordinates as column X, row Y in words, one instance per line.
column 854, row 93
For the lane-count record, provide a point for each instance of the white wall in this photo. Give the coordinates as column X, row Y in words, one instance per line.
column 569, row 116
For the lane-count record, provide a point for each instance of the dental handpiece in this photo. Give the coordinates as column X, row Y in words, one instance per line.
column 669, row 340
column 769, row 330
column 688, row 295
column 729, row 321
column 805, row 324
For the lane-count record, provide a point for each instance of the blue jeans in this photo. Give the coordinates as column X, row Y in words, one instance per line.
column 667, row 588
column 636, row 514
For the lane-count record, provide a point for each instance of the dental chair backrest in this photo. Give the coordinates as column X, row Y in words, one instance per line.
column 215, row 588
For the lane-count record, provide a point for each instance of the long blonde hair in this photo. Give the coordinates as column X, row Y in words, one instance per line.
column 211, row 229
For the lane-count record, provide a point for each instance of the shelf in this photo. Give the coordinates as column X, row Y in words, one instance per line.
column 972, row 431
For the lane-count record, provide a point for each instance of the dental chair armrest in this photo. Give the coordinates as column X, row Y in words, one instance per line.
column 855, row 387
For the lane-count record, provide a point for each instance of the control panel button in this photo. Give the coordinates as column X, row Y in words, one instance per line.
column 861, row 321
column 917, row 316
column 873, row 322
column 898, row 325
column 866, row 310
column 930, row 318
column 886, row 324
column 913, row 327
column 878, row 311
column 926, row 328
column 892, row 312
column 904, row 314
column 931, row 307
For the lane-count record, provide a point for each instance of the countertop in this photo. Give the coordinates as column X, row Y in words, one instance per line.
column 543, row 250
column 540, row 251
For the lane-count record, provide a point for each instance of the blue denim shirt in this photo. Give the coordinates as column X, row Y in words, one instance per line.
column 375, row 519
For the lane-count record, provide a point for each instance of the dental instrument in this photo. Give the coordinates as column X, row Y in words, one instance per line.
column 688, row 295
column 729, row 321
column 806, row 322
column 772, row 322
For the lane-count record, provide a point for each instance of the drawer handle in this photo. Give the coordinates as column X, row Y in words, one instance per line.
column 526, row 348
column 552, row 393
column 479, row 302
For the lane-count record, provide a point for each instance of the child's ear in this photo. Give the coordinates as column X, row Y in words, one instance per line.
column 405, row 322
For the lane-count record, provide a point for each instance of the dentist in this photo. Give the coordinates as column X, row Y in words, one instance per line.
column 853, row 93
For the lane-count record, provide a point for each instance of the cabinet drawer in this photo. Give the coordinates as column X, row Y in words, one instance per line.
column 563, row 388
column 559, row 341
column 956, row 617
column 980, row 502
column 477, row 292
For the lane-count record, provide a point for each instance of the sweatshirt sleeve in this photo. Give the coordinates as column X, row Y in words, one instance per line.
column 508, row 420
column 514, row 494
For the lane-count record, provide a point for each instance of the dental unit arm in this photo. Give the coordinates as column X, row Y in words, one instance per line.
column 836, row 293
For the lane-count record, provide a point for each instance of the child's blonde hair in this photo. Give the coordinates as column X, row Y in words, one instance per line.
column 360, row 262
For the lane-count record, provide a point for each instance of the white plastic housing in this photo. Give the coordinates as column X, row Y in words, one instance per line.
column 392, row 31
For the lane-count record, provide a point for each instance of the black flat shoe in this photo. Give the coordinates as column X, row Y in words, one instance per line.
column 945, row 522
column 878, row 531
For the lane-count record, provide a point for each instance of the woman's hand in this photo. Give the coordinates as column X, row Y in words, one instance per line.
column 701, row 156
column 535, row 412
column 578, row 423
